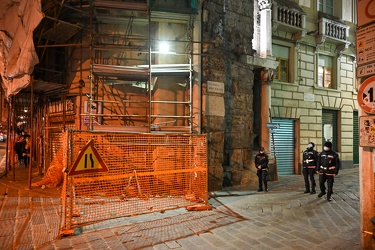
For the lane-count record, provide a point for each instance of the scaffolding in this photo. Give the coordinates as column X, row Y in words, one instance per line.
column 135, row 84
column 101, row 68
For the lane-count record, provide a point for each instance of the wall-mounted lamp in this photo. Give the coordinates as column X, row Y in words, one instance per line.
column 164, row 47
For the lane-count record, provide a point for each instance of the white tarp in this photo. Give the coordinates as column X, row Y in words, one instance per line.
column 18, row 19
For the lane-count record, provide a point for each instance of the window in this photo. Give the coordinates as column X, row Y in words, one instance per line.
column 325, row 71
column 326, row 6
column 282, row 56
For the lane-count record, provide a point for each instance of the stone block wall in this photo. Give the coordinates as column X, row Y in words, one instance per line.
column 226, row 37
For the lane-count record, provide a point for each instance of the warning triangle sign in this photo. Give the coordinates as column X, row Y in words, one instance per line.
column 88, row 161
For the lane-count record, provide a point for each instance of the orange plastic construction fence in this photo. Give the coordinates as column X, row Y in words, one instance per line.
column 111, row 175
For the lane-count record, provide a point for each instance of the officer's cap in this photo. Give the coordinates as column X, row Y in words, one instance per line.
column 328, row 144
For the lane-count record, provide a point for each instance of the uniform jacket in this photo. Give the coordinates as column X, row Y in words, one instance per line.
column 310, row 158
column 328, row 162
column 262, row 160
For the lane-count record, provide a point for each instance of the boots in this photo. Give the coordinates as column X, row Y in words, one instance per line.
column 329, row 198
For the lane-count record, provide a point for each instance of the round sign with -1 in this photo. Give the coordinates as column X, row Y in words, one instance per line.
column 366, row 95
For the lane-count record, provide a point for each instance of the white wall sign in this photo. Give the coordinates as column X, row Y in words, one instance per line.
column 328, row 132
column 308, row 97
column 215, row 87
column 96, row 108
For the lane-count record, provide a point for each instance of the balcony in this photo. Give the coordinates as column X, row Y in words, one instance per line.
column 287, row 16
column 334, row 32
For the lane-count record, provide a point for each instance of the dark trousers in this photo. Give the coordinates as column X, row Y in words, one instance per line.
column 308, row 175
column 26, row 160
column 262, row 177
column 19, row 157
column 323, row 178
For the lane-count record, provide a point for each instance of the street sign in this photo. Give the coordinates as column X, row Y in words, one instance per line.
column 272, row 125
column 366, row 95
column 366, row 45
column 88, row 161
column 365, row 12
column 366, row 70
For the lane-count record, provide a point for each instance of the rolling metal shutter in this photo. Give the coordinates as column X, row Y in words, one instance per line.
column 284, row 144
column 355, row 138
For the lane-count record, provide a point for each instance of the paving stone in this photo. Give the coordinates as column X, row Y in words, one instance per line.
column 160, row 247
column 113, row 243
column 186, row 243
column 283, row 218
column 268, row 242
column 214, row 240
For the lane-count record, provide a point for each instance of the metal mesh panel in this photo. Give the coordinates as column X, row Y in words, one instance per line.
column 54, row 143
column 146, row 173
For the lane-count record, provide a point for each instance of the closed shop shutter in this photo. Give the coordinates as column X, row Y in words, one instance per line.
column 329, row 127
column 355, row 138
column 284, row 144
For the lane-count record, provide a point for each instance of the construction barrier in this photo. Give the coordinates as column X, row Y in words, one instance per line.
column 111, row 175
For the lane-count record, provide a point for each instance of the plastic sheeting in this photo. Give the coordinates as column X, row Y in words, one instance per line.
column 18, row 19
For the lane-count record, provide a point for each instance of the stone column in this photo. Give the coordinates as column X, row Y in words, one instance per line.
column 265, row 28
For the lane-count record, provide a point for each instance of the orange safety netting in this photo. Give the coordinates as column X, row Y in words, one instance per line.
column 113, row 175
column 54, row 175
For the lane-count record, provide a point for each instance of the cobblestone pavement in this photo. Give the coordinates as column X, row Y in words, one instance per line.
column 283, row 218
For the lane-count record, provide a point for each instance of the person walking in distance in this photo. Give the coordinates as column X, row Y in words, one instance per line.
column 309, row 160
column 18, row 148
column 261, row 163
column 26, row 151
column 327, row 167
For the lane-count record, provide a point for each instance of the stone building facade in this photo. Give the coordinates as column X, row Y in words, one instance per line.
column 317, row 93
column 302, row 80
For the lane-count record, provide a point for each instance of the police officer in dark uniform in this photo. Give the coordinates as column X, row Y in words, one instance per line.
column 261, row 163
column 327, row 167
column 309, row 160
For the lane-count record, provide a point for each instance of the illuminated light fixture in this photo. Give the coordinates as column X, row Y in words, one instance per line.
column 25, row 110
column 164, row 47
